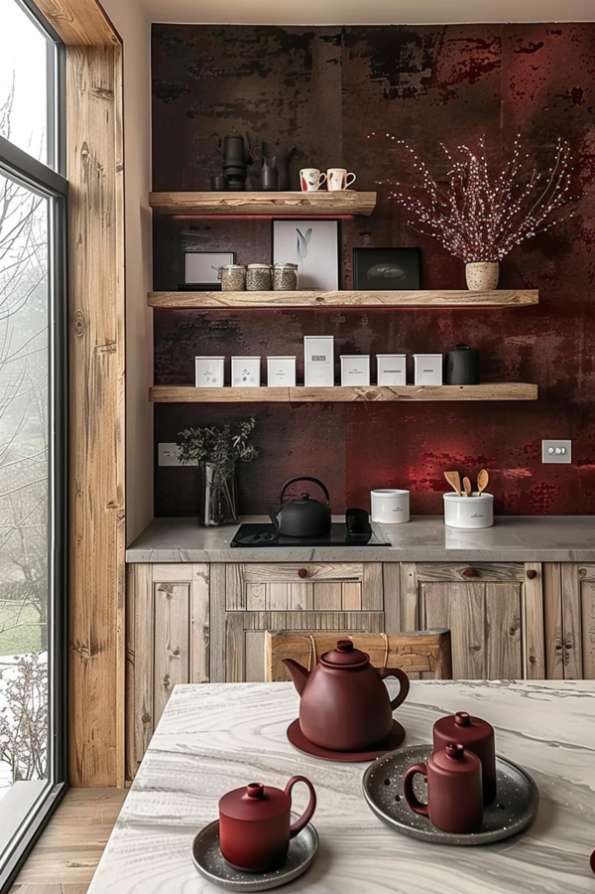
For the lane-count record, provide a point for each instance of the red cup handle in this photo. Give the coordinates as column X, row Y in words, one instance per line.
column 308, row 812
column 403, row 680
column 410, row 795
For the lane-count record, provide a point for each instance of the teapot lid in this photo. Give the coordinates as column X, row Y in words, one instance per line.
column 254, row 802
column 463, row 727
column 345, row 655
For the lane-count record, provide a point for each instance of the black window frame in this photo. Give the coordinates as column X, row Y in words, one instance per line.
column 50, row 182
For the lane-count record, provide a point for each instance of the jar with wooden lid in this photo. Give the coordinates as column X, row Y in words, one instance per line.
column 285, row 278
column 259, row 278
column 233, row 278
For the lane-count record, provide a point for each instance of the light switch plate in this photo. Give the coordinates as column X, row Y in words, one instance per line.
column 168, row 455
column 559, row 451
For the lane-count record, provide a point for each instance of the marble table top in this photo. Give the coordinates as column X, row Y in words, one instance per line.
column 216, row 737
column 513, row 538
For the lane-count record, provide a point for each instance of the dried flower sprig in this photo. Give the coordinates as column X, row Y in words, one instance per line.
column 480, row 216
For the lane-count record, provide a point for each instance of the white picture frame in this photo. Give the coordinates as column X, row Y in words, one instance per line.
column 202, row 267
column 314, row 246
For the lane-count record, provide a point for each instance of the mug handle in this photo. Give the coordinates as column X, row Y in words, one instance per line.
column 349, row 182
column 403, row 680
column 410, row 796
column 308, row 812
column 322, row 179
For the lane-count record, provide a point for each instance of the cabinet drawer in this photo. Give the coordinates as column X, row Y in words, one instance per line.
column 296, row 572
column 470, row 571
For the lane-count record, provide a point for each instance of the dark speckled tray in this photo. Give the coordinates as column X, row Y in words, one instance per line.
column 512, row 811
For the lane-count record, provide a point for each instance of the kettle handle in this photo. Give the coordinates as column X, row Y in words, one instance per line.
column 403, row 680
column 314, row 480
column 308, row 812
column 410, row 796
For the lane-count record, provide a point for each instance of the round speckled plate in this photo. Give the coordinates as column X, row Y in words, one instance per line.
column 210, row 863
column 510, row 813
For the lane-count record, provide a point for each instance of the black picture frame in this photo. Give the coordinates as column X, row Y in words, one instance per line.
column 405, row 261
column 206, row 286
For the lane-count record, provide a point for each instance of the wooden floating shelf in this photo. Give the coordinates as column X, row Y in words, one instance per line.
column 266, row 204
column 180, row 394
column 500, row 298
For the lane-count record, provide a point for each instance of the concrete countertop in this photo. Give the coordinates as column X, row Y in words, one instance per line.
column 555, row 538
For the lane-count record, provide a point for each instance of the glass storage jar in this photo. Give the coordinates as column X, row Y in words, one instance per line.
column 285, row 277
column 258, row 278
column 233, row 278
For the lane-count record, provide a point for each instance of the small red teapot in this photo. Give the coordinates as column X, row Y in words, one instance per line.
column 476, row 735
column 344, row 704
column 455, row 798
column 254, row 825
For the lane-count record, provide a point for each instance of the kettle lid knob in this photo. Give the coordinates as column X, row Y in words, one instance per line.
column 462, row 718
column 456, row 751
column 254, row 790
column 345, row 645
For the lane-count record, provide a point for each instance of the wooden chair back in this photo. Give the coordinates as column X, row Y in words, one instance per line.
column 419, row 652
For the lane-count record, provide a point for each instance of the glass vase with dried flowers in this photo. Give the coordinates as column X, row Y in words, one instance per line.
column 217, row 450
column 480, row 215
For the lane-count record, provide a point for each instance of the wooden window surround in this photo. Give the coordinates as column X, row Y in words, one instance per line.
column 94, row 169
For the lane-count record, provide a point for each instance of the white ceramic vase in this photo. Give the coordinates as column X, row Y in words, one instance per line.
column 482, row 276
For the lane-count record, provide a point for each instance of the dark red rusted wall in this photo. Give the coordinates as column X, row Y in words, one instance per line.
column 327, row 90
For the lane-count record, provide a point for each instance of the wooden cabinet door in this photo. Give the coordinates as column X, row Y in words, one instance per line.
column 167, row 643
column 570, row 620
column 494, row 612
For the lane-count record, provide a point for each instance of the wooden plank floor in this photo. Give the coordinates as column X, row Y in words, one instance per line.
column 65, row 857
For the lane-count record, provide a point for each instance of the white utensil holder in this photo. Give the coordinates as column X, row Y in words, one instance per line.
column 390, row 506
column 476, row 511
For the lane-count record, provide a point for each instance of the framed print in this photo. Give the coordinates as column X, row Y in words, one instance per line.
column 386, row 268
column 314, row 246
column 201, row 268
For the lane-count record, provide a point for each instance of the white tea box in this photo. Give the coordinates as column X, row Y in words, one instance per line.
column 209, row 372
column 391, row 369
column 245, row 372
column 319, row 361
column 355, row 369
column 280, row 371
column 427, row 369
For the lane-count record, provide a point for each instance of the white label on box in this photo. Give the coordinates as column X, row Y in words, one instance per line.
column 209, row 372
column 280, row 371
column 428, row 369
column 391, row 369
column 355, row 369
column 245, row 372
column 319, row 362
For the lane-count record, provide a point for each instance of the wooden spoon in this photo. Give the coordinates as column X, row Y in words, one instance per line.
column 454, row 479
column 482, row 481
column 467, row 486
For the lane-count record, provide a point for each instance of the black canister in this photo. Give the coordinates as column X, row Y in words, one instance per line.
column 462, row 366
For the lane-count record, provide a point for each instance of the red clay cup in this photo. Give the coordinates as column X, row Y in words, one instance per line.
column 455, row 800
column 254, row 825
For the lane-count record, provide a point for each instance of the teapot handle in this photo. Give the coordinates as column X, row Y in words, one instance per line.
column 403, row 680
column 308, row 812
column 410, row 796
column 299, row 478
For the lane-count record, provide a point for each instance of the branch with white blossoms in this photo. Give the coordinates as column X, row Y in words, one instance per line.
column 479, row 215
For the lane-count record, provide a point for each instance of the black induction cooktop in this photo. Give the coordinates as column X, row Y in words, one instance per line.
column 261, row 535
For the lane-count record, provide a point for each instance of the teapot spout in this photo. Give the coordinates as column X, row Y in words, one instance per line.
column 298, row 674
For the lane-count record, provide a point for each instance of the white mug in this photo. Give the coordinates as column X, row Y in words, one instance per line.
column 338, row 178
column 311, row 179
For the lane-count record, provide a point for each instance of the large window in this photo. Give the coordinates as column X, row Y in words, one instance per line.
column 32, row 431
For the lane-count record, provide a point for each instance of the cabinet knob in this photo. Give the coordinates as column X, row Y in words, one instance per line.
column 531, row 574
column 302, row 572
column 470, row 572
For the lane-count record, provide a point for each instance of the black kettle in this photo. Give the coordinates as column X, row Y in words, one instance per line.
column 302, row 517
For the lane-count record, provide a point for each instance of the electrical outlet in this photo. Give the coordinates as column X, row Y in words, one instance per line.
column 556, row 451
column 168, row 455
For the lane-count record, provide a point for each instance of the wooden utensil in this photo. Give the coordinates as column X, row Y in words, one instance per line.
column 454, row 479
column 482, row 481
column 467, row 486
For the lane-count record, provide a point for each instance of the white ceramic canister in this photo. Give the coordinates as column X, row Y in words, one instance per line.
column 390, row 506
column 476, row 511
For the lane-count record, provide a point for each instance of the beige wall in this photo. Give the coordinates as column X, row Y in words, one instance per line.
column 133, row 26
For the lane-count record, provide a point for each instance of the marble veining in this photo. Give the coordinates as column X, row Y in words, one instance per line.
column 214, row 737
column 563, row 538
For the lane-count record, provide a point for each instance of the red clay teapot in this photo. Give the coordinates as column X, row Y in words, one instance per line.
column 254, row 825
column 344, row 704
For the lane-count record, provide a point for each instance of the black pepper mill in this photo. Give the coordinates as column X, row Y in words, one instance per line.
column 462, row 366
